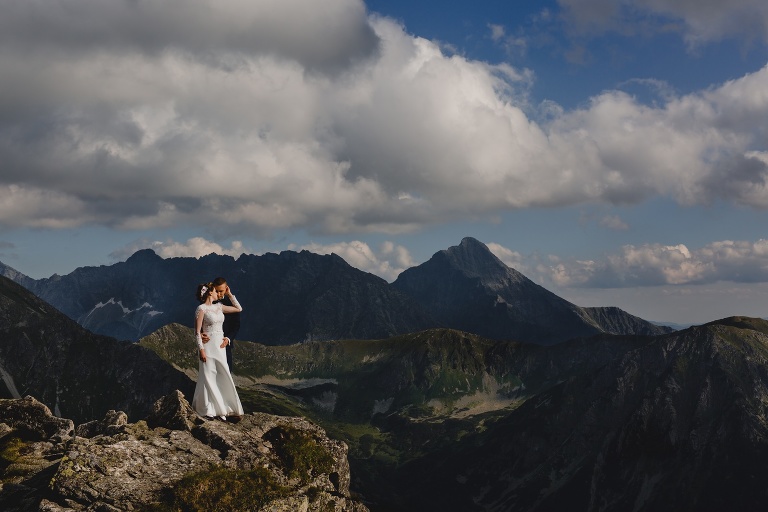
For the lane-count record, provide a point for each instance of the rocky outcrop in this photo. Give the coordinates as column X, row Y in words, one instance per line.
column 173, row 460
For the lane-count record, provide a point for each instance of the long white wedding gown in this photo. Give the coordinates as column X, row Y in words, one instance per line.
column 215, row 393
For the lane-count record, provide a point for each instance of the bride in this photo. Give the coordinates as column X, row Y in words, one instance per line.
column 215, row 393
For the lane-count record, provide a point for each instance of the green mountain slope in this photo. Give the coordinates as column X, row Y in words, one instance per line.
column 443, row 420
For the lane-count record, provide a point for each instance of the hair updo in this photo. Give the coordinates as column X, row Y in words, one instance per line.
column 203, row 291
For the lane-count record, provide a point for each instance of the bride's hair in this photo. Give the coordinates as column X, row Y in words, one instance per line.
column 203, row 291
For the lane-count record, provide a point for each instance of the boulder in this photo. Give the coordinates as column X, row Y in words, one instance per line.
column 173, row 412
column 113, row 423
column 33, row 417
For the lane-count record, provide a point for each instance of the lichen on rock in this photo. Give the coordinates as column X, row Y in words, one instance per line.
column 173, row 460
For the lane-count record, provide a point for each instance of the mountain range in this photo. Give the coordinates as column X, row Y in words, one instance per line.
column 295, row 297
column 447, row 420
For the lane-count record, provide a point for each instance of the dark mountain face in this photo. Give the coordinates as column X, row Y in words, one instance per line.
column 466, row 287
column 287, row 298
column 294, row 297
column 75, row 372
column 675, row 424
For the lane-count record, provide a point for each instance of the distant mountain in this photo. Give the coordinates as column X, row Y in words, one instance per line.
column 73, row 371
column 466, row 287
column 296, row 297
column 613, row 320
column 15, row 275
column 288, row 298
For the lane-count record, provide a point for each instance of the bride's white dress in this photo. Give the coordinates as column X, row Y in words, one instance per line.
column 215, row 393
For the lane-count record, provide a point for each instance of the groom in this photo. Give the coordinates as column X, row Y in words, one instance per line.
column 231, row 322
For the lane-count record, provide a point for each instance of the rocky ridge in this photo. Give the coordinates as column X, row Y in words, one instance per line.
column 297, row 297
column 172, row 460
column 289, row 297
column 466, row 287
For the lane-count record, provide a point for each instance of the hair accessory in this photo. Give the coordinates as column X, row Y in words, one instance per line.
column 202, row 291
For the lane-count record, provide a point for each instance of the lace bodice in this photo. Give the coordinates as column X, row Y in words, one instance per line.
column 213, row 317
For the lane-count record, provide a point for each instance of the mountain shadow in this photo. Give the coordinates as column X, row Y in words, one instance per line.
column 76, row 373
column 676, row 424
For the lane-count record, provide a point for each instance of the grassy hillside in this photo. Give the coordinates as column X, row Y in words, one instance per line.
column 397, row 400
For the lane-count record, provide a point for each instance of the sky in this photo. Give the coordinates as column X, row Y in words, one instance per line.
column 614, row 152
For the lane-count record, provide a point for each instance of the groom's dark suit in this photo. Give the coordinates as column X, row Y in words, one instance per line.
column 231, row 327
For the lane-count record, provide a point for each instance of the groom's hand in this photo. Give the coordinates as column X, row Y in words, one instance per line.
column 225, row 342
column 205, row 337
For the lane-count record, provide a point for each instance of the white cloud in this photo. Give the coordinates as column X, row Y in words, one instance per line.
column 246, row 117
column 699, row 22
column 713, row 21
column 510, row 258
column 498, row 32
column 512, row 45
column 656, row 265
column 33, row 207
column 195, row 247
column 388, row 262
column 614, row 222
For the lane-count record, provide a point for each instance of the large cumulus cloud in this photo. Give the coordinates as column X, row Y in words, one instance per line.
column 261, row 115
column 659, row 265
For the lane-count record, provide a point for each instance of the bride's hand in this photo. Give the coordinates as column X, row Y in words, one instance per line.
column 202, row 355
column 225, row 342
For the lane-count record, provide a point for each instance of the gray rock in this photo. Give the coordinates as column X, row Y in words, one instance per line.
column 173, row 412
column 113, row 423
column 112, row 465
column 29, row 415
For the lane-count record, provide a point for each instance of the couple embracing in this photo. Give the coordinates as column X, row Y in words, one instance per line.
column 215, row 324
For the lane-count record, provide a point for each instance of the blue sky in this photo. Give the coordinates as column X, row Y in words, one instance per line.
column 614, row 152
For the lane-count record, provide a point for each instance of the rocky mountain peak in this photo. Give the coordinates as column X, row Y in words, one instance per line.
column 14, row 275
column 144, row 256
column 474, row 259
